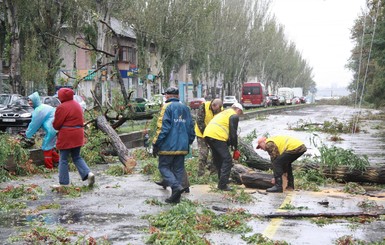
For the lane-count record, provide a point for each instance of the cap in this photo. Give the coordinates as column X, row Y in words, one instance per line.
column 171, row 90
column 260, row 140
column 237, row 105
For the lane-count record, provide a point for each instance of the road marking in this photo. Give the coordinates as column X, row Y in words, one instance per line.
column 274, row 224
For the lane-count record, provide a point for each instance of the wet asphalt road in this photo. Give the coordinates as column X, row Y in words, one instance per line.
column 114, row 209
column 370, row 141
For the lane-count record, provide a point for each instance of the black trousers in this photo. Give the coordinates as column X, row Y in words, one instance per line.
column 221, row 159
column 282, row 164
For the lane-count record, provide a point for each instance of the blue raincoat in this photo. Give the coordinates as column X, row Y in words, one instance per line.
column 42, row 117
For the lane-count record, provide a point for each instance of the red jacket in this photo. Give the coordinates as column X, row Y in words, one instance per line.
column 68, row 121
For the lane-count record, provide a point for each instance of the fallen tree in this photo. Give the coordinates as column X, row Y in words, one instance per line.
column 117, row 144
column 252, row 178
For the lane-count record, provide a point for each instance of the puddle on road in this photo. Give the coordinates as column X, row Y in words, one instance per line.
column 68, row 217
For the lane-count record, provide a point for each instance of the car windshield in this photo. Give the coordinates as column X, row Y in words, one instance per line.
column 4, row 99
column 20, row 102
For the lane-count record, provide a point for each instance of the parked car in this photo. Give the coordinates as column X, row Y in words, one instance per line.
column 78, row 99
column 302, row 99
column 139, row 104
column 295, row 101
column 8, row 99
column 50, row 100
column 229, row 101
column 81, row 101
column 195, row 103
column 156, row 101
column 15, row 113
column 282, row 100
column 268, row 101
column 274, row 100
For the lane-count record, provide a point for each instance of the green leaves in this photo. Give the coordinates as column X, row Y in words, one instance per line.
column 333, row 157
column 187, row 222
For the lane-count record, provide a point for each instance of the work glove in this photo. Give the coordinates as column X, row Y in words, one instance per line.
column 236, row 154
column 155, row 150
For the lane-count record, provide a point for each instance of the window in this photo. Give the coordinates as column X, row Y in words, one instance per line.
column 132, row 55
column 251, row 90
column 127, row 54
column 123, row 54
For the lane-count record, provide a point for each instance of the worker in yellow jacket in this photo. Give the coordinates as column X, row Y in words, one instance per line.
column 206, row 112
column 220, row 133
column 283, row 151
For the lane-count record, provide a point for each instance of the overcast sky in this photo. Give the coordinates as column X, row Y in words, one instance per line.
column 321, row 31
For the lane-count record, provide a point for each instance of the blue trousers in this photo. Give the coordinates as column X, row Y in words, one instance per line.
column 172, row 169
column 81, row 165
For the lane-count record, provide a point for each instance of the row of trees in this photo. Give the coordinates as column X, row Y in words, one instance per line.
column 224, row 41
column 368, row 56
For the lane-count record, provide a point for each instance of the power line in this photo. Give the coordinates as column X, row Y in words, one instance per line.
column 367, row 66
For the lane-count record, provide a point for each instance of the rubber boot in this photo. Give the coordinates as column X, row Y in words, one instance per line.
column 55, row 157
column 162, row 183
column 277, row 187
column 48, row 159
column 175, row 195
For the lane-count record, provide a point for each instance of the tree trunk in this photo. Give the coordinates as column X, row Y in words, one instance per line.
column 122, row 151
column 253, row 160
column 342, row 174
column 251, row 178
column 15, row 70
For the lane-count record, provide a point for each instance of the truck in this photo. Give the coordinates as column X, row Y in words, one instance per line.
column 298, row 92
column 287, row 93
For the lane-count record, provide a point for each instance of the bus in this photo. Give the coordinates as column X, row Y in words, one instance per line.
column 253, row 94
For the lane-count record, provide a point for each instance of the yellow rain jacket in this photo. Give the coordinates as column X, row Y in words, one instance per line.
column 208, row 116
column 285, row 143
column 218, row 127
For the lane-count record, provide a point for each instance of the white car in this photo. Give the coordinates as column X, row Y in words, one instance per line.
column 78, row 99
column 81, row 101
column 156, row 101
column 229, row 101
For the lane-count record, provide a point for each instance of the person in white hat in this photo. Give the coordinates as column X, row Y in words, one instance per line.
column 220, row 133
